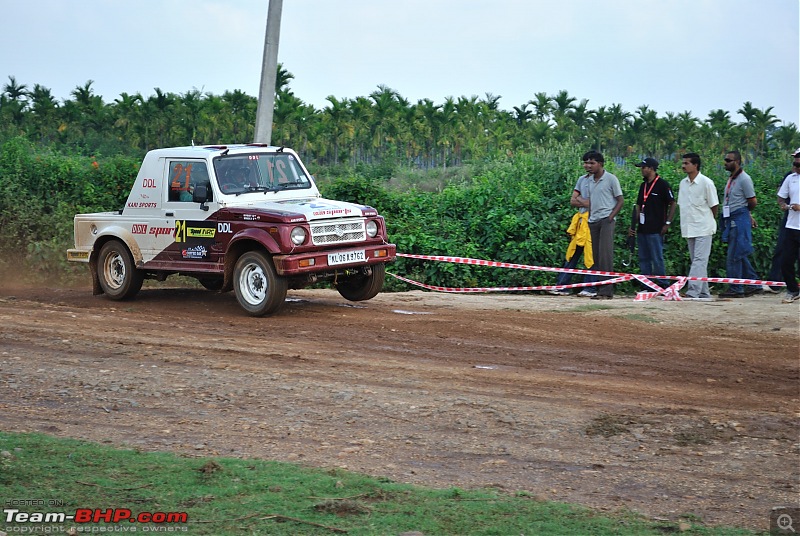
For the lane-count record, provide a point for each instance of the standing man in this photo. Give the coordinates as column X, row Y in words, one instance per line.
column 605, row 202
column 789, row 200
column 655, row 207
column 697, row 197
column 776, row 272
column 580, row 239
column 738, row 201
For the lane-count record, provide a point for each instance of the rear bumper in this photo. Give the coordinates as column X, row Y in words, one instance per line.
column 317, row 261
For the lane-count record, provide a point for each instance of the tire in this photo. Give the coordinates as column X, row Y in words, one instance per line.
column 118, row 277
column 363, row 287
column 259, row 289
column 212, row 283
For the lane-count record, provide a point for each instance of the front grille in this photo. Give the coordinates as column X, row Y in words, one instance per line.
column 337, row 232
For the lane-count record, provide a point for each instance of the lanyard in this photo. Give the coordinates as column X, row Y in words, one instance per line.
column 730, row 181
column 646, row 192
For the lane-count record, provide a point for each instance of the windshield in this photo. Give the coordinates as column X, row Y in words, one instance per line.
column 259, row 173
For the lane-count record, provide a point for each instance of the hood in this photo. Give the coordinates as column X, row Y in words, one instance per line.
column 313, row 208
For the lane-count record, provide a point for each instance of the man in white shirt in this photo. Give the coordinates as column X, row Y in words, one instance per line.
column 789, row 200
column 698, row 202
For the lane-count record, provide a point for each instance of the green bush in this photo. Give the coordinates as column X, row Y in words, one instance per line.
column 40, row 192
column 514, row 208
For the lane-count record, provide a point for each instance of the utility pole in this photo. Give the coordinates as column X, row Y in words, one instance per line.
column 269, row 73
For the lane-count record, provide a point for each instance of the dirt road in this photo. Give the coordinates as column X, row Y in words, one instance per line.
column 669, row 409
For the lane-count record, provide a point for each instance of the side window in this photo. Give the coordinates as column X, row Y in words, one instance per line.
column 184, row 175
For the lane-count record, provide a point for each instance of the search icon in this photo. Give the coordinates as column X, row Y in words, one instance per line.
column 785, row 523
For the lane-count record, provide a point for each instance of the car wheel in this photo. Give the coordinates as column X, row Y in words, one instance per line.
column 259, row 289
column 118, row 276
column 363, row 286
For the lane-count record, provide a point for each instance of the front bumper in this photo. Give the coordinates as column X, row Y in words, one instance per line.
column 317, row 261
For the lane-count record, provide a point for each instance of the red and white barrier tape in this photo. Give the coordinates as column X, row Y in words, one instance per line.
column 670, row 293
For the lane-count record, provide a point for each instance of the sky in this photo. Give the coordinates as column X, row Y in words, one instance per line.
column 671, row 55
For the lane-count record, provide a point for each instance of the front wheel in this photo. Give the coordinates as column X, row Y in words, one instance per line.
column 363, row 286
column 118, row 276
column 259, row 289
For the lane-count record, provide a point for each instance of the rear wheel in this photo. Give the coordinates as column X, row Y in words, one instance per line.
column 118, row 276
column 259, row 289
column 363, row 286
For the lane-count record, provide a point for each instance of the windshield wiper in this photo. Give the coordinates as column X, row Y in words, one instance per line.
column 291, row 184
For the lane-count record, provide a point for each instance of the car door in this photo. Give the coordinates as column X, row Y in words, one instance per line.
column 195, row 246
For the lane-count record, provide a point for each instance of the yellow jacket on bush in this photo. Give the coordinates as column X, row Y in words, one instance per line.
column 579, row 231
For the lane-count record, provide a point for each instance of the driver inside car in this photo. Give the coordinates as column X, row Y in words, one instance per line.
column 236, row 179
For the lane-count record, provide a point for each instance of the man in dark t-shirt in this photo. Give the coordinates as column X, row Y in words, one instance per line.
column 655, row 207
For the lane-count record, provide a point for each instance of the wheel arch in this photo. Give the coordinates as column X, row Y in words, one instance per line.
column 121, row 235
column 247, row 240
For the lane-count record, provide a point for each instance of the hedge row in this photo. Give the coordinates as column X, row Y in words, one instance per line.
column 510, row 209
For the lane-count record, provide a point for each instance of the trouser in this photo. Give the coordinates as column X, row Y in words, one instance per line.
column 602, row 232
column 651, row 255
column 565, row 278
column 791, row 251
column 776, row 269
column 699, row 252
column 738, row 268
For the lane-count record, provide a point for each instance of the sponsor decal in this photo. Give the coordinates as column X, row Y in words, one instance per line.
column 148, row 183
column 224, row 228
column 139, row 228
column 184, row 231
column 134, row 204
column 251, row 217
column 328, row 209
column 158, row 231
column 332, row 212
column 201, row 232
column 77, row 255
column 195, row 252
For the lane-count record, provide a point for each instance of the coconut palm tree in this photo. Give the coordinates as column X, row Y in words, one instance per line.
column 335, row 117
column 785, row 138
column 44, row 109
column 543, row 106
column 14, row 100
column 757, row 123
column 163, row 105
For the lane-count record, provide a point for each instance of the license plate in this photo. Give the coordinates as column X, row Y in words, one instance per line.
column 346, row 257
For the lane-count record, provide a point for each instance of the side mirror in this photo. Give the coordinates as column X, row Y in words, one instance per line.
column 201, row 195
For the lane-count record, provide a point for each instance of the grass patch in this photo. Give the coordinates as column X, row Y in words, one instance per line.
column 588, row 308
column 607, row 425
column 640, row 318
column 222, row 496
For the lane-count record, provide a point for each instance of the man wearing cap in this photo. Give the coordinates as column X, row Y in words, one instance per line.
column 697, row 197
column 738, row 200
column 775, row 271
column 653, row 212
column 789, row 201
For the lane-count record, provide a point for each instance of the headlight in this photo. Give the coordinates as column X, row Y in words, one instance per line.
column 372, row 228
column 298, row 236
